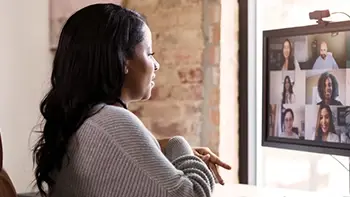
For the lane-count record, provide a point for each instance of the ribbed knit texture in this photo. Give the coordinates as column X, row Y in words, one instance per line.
column 114, row 155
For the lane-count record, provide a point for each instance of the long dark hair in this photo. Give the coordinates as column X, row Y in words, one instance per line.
column 291, row 65
column 321, row 85
column 290, row 91
column 331, row 128
column 88, row 69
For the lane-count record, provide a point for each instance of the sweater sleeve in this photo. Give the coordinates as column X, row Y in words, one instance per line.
column 178, row 173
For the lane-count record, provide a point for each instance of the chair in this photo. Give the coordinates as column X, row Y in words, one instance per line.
column 6, row 186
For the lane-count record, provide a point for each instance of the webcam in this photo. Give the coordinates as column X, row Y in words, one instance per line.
column 319, row 15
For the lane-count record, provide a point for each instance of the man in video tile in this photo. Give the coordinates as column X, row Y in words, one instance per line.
column 326, row 59
column 328, row 89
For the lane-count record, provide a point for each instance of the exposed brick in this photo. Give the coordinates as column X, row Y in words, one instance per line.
column 214, row 34
column 214, row 114
column 173, row 57
column 190, row 16
column 179, row 38
column 190, row 74
column 187, row 92
column 215, row 96
column 166, row 4
column 168, row 128
column 216, row 75
column 194, row 129
column 143, row 7
column 191, row 108
column 212, row 55
column 215, row 140
column 167, row 76
column 161, row 92
column 214, row 12
column 162, row 110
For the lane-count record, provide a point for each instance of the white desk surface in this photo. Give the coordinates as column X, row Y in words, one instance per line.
column 238, row 190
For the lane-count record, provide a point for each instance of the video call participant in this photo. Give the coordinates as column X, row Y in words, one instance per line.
column 325, row 60
column 328, row 89
column 287, row 125
column 325, row 130
column 288, row 96
column 289, row 62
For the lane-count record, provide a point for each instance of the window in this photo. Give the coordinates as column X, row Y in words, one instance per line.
column 293, row 169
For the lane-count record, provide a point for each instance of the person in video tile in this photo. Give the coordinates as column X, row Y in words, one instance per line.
column 328, row 89
column 326, row 59
column 287, row 126
column 325, row 130
column 289, row 60
column 288, row 96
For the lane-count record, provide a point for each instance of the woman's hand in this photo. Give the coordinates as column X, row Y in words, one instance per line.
column 212, row 161
column 204, row 153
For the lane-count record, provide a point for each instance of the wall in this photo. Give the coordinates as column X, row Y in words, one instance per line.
column 24, row 65
column 286, row 168
column 60, row 10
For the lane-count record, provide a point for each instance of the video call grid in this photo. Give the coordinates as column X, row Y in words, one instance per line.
column 308, row 82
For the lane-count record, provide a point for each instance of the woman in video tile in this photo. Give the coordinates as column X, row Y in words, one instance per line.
column 288, row 96
column 290, row 62
column 325, row 130
column 288, row 131
column 328, row 89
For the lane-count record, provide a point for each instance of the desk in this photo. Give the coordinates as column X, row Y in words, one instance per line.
column 238, row 190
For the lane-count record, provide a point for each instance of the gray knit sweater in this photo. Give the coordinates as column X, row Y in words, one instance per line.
column 114, row 155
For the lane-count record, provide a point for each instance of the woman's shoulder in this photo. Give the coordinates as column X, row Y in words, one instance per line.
column 110, row 114
column 118, row 122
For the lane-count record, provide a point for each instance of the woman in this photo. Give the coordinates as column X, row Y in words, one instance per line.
column 288, row 96
column 289, row 62
column 287, row 126
column 325, row 130
column 91, row 145
column 328, row 89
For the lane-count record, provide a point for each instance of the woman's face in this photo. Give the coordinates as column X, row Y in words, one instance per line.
column 324, row 120
column 139, row 79
column 286, row 84
column 286, row 49
column 328, row 88
column 288, row 122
